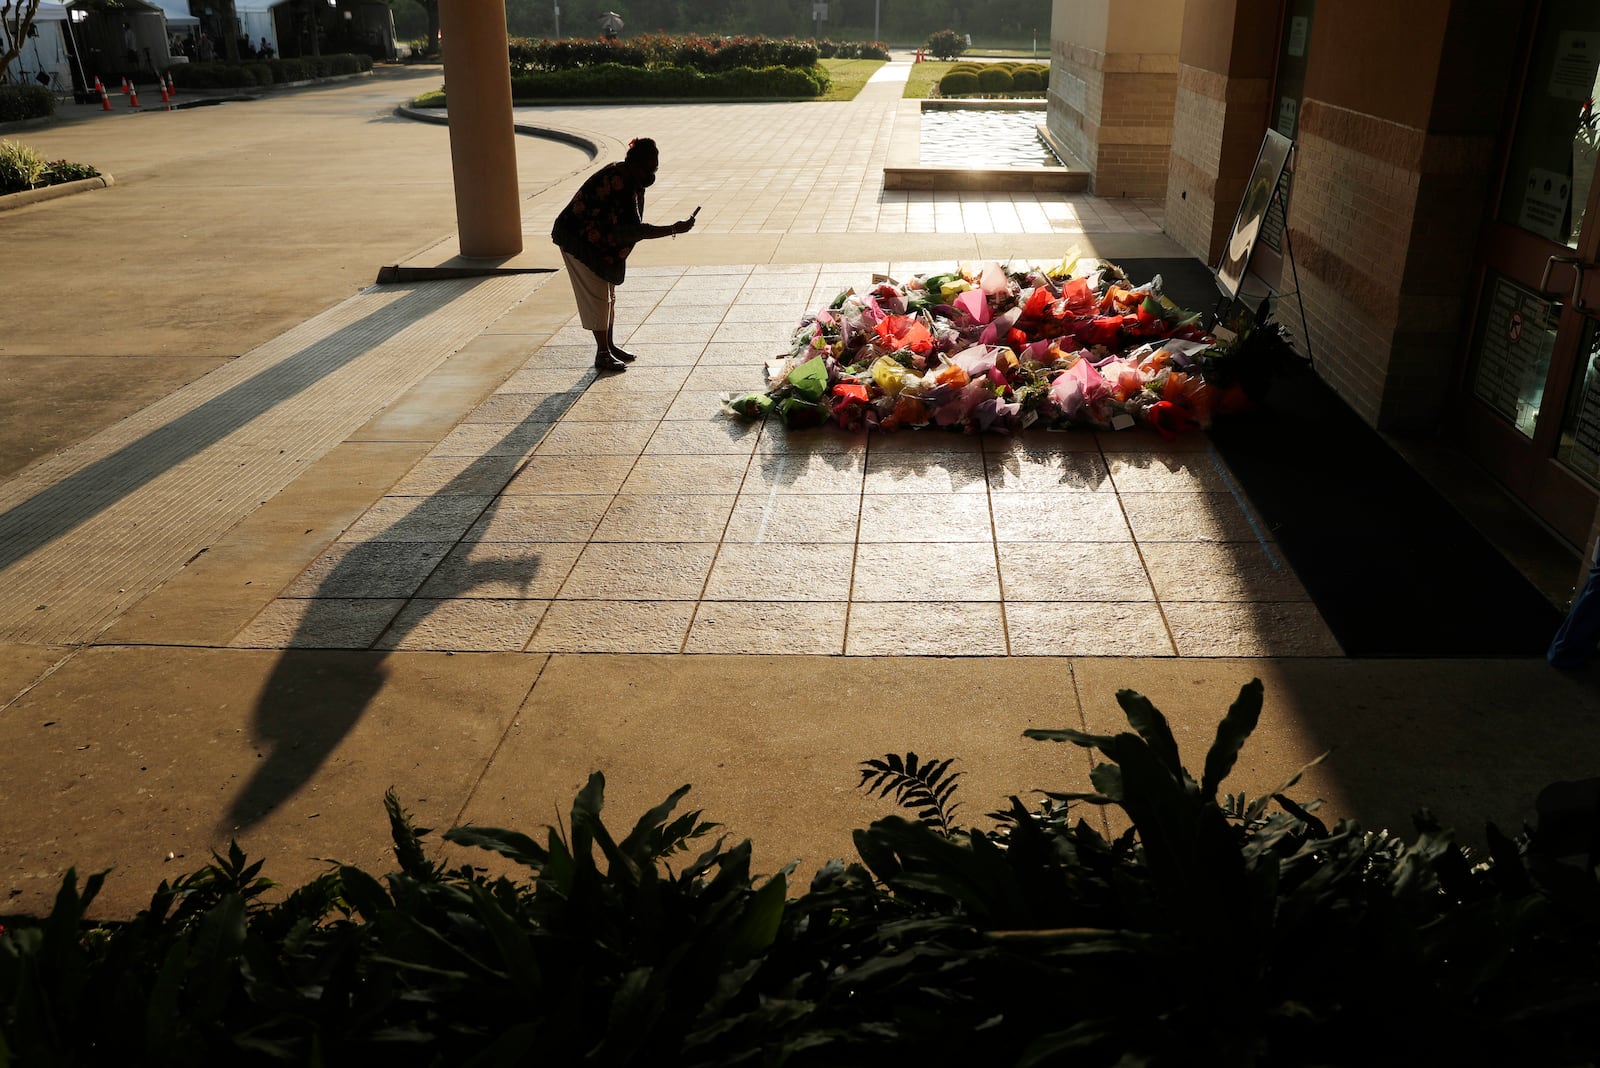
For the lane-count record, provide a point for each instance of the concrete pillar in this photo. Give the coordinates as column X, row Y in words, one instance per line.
column 483, row 151
column 1113, row 79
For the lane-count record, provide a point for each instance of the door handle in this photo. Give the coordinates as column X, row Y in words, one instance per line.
column 1578, row 265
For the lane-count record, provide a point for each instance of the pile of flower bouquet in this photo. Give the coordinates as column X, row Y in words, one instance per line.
column 990, row 349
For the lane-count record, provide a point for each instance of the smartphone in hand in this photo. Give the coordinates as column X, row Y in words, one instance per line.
column 695, row 212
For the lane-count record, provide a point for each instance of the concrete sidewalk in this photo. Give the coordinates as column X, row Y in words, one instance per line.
column 403, row 538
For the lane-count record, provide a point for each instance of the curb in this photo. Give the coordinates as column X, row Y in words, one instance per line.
column 440, row 117
column 51, row 192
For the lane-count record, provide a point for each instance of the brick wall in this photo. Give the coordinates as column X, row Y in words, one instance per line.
column 1384, row 258
column 1114, row 112
column 1199, row 117
column 1073, row 101
column 1216, row 132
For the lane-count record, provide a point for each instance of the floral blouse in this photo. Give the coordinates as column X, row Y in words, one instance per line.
column 601, row 223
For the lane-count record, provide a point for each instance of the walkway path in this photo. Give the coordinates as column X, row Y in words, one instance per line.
column 387, row 542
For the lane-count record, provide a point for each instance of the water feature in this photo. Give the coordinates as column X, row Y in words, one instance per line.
column 984, row 138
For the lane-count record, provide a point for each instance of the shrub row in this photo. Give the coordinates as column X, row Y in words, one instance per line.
column 966, row 79
column 706, row 54
column 1216, row 930
column 853, row 49
column 268, row 72
column 618, row 80
column 18, row 102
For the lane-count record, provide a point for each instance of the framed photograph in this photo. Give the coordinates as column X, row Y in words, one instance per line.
column 1258, row 194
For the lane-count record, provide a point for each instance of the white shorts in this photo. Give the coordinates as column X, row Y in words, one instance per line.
column 597, row 298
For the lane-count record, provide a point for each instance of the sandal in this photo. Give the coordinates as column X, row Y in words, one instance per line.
column 606, row 363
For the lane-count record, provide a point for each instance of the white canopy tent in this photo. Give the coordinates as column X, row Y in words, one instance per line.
column 104, row 35
column 256, row 21
column 177, row 12
column 180, row 25
column 46, row 51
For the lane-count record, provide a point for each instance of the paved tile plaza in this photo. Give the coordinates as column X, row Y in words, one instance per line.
column 409, row 541
column 630, row 514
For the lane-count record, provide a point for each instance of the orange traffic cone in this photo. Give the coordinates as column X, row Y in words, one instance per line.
column 166, row 98
column 98, row 88
column 105, row 101
column 133, row 97
column 126, row 88
column 172, row 87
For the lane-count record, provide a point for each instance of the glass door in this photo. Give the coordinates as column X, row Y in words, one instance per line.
column 1532, row 412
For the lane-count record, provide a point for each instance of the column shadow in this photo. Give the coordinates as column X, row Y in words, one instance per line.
column 314, row 697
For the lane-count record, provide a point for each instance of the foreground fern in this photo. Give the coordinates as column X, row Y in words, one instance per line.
column 1217, row 930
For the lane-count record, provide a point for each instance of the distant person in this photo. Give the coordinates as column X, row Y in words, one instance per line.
column 207, row 51
column 265, row 49
column 130, row 45
column 597, row 230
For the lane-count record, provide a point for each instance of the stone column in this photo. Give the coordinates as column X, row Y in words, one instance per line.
column 483, row 151
column 1113, row 77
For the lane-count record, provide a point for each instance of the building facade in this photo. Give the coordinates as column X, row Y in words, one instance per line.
column 1440, row 199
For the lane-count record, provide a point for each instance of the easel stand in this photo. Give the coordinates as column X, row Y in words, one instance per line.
column 1233, row 272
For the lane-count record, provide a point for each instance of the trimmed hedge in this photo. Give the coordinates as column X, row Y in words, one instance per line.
column 268, row 72
column 994, row 80
column 617, row 80
column 705, row 54
column 18, row 102
column 853, row 50
column 1030, row 78
column 958, row 83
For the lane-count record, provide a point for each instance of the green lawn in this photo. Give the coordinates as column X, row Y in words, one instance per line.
column 925, row 78
column 847, row 76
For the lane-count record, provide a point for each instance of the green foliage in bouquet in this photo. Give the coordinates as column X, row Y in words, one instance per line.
column 1215, row 929
column 1261, row 347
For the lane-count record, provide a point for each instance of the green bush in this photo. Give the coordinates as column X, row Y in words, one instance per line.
column 1030, row 78
column 617, row 80
column 945, row 44
column 30, row 101
column 288, row 70
column 268, row 72
column 707, row 54
column 852, row 50
column 958, row 83
column 23, row 168
column 994, row 79
column 221, row 75
column 1216, row 929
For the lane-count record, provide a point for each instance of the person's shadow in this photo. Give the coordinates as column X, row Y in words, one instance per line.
column 316, row 696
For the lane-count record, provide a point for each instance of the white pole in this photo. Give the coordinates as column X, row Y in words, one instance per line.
column 876, row 36
column 558, row 21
